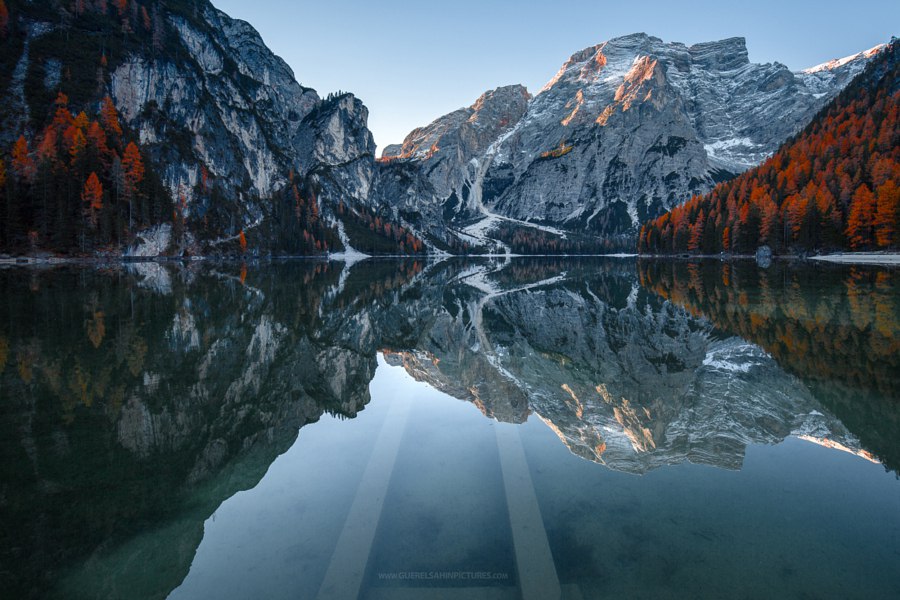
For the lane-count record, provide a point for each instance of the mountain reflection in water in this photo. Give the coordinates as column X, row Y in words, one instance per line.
column 139, row 399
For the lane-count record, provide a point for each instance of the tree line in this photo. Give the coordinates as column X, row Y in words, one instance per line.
column 81, row 185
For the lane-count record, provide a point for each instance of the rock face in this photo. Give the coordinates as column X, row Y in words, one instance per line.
column 247, row 119
column 428, row 176
column 213, row 106
column 625, row 130
column 339, row 148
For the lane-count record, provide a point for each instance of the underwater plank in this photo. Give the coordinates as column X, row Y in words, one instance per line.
column 538, row 579
column 344, row 577
column 460, row 593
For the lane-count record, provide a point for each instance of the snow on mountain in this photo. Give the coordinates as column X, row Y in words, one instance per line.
column 836, row 63
column 625, row 130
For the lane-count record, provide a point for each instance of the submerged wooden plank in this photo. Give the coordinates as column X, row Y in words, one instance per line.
column 538, row 579
column 571, row 591
column 460, row 593
column 344, row 577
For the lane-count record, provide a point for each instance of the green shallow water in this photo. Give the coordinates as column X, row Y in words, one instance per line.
column 586, row 428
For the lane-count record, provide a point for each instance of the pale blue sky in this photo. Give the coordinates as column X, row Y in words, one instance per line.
column 411, row 62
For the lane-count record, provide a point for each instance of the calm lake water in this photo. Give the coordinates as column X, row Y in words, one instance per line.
column 527, row 428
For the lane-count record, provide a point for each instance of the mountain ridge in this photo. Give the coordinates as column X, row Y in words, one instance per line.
column 625, row 129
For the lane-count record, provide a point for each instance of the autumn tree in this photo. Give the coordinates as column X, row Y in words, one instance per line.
column 696, row 235
column 109, row 117
column 820, row 190
column 92, row 199
column 52, row 204
column 887, row 213
column 862, row 217
column 133, row 174
column 47, row 150
column 96, row 140
column 77, row 143
column 22, row 163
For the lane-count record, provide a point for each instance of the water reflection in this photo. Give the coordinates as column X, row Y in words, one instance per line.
column 836, row 329
column 138, row 400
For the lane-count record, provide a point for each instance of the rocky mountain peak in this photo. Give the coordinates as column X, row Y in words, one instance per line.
column 724, row 55
column 494, row 109
column 837, row 63
column 501, row 98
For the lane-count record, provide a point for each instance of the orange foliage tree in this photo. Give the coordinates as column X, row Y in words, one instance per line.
column 109, row 117
column 92, row 197
column 53, row 202
column 860, row 224
column 887, row 213
column 22, row 163
column 133, row 168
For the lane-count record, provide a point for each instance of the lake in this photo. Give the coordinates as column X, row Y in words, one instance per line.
column 470, row 428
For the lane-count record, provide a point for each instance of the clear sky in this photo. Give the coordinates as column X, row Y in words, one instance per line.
column 411, row 62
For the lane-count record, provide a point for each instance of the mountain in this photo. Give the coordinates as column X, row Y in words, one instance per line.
column 625, row 130
column 836, row 185
column 424, row 178
column 252, row 160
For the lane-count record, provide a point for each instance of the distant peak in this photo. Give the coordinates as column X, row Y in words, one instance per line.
column 633, row 39
column 503, row 92
column 840, row 62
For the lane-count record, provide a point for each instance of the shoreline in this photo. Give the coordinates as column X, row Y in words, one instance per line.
column 30, row 261
column 861, row 258
column 889, row 259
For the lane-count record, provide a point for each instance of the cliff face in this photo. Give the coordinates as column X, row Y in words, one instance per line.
column 238, row 104
column 625, row 130
column 340, row 149
column 426, row 178
column 223, row 119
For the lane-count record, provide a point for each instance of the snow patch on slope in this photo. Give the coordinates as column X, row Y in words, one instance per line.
column 350, row 255
column 840, row 62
